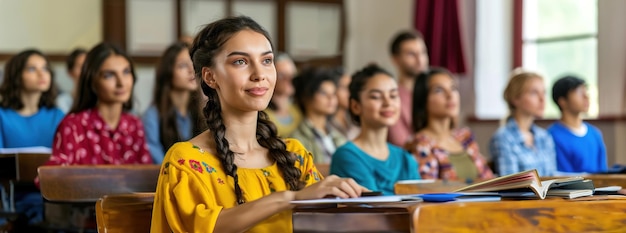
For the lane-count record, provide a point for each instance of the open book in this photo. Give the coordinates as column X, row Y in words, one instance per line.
column 528, row 184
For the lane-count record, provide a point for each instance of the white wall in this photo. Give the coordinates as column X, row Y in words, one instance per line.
column 371, row 26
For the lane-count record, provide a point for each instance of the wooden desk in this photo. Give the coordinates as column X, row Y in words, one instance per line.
column 550, row 215
column 345, row 219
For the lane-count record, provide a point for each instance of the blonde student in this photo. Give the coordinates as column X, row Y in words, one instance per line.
column 237, row 176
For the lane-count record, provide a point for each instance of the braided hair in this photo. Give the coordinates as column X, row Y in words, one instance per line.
column 206, row 45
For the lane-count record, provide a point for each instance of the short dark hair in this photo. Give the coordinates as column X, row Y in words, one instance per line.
column 71, row 59
column 564, row 86
column 401, row 37
column 359, row 80
column 12, row 83
column 308, row 82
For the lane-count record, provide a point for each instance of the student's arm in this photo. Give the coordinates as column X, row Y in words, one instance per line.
column 505, row 160
column 188, row 205
column 346, row 163
column 150, row 120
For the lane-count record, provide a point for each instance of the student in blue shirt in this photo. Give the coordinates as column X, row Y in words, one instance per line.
column 174, row 115
column 579, row 145
column 521, row 145
column 369, row 159
column 28, row 114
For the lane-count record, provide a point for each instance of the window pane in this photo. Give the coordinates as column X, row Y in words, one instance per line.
column 557, row 18
column 555, row 59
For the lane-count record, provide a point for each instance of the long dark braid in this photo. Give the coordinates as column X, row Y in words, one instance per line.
column 206, row 45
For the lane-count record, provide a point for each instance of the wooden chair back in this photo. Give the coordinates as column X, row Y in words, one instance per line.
column 550, row 215
column 124, row 213
column 87, row 183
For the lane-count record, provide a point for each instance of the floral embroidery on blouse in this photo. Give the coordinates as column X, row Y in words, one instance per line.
column 208, row 168
column 300, row 159
column 195, row 165
column 181, row 161
column 198, row 148
column 219, row 180
column 312, row 174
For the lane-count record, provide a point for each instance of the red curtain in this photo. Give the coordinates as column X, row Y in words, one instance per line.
column 438, row 21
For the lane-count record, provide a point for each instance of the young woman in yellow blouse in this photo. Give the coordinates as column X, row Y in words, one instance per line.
column 238, row 176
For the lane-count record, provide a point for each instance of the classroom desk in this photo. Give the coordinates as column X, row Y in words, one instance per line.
column 550, row 215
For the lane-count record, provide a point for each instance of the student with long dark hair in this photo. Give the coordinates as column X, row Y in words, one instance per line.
column 28, row 114
column 239, row 170
column 442, row 149
column 369, row 159
column 175, row 113
column 99, row 129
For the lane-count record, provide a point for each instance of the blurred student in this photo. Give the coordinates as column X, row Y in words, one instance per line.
column 369, row 159
column 317, row 99
column 99, row 129
column 579, row 145
column 175, row 114
column 74, row 65
column 442, row 148
column 521, row 145
column 341, row 119
column 281, row 110
column 28, row 115
column 410, row 56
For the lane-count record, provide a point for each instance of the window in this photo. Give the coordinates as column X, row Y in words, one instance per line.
column 559, row 38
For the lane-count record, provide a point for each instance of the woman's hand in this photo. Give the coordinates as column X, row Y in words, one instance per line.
column 331, row 186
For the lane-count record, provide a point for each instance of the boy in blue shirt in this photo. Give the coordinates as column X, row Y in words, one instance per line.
column 579, row 145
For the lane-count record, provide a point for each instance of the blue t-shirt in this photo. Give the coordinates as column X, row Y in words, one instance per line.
column 151, row 126
column 575, row 153
column 26, row 131
column 376, row 175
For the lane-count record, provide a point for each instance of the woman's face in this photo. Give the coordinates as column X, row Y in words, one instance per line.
column 379, row 104
column 324, row 101
column 531, row 100
column 243, row 73
column 343, row 93
column 36, row 76
column 183, row 76
column 443, row 97
column 114, row 81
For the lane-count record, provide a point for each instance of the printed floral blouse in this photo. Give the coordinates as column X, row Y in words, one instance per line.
column 434, row 161
column 193, row 189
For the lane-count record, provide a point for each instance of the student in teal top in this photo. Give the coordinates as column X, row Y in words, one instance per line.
column 369, row 159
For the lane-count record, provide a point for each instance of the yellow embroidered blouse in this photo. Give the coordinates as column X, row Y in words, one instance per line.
column 193, row 189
